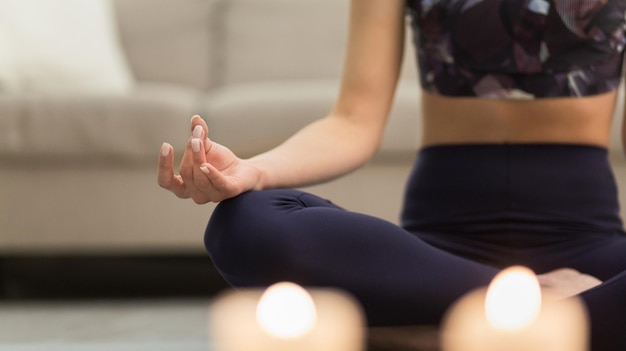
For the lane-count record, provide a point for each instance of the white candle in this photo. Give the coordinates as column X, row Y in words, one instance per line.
column 286, row 317
column 514, row 315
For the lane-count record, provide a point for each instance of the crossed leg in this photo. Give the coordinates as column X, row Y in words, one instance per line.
column 262, row 237
column 259, row 238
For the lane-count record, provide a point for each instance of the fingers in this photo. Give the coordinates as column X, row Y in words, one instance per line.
column 193, row 173
column 566, row 282
column 166, row 177
column 199, row 129
column 188, row 172
column 220, row 189
column 208, row 182
column 200, row 180
column 197, row 177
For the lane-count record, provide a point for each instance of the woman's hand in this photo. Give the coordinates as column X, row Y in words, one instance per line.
column 567, row 282
column 209, row 172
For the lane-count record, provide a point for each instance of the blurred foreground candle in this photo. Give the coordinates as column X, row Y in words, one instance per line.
column 514, row 315
column 286, row 317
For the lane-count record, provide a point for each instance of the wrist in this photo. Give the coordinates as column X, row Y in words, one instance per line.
column 259, row 181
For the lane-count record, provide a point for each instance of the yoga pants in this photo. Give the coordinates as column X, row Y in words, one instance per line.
column 469, row 211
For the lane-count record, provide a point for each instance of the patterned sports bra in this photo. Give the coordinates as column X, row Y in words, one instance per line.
column 519, row 49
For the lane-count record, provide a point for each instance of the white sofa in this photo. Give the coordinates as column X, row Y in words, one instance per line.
column 77, row 173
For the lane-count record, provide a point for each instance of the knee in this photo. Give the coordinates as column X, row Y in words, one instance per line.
column 225, row 225
column 222, row 239
column 244, row 233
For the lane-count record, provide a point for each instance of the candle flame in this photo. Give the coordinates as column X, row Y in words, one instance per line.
column 286, row 310
column 513, row 299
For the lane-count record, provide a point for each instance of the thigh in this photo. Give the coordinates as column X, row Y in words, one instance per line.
column 605, row 258
column 607, row 314
column 262, row 237
column 602, row 257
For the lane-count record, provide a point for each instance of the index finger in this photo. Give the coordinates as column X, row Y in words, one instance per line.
column 165, row 177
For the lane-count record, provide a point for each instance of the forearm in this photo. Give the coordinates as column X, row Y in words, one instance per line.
column 351, row 134
column 324, row 150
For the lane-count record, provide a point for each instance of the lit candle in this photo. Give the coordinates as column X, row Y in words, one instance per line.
column 512, row 314
column 286, row 317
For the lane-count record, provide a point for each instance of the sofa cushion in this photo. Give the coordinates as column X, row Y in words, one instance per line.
column 170, row 41
column 254, row 117
column 65, row 47
column 128, row 128
column 282, row 39
column 287, row 40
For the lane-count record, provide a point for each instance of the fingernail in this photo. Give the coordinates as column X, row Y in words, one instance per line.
column 165, row 149
column 197, row 131
column 205, row 170
column 195, row 144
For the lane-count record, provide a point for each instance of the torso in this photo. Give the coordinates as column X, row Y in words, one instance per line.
column 518, row 71
column 585, row 120
column 519, row 49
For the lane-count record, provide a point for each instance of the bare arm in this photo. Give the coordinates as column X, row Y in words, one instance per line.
column 623, row 132
column 352, row 132
column 325, row 149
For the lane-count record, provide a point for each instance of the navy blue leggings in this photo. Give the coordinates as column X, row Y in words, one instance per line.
column 469, row 211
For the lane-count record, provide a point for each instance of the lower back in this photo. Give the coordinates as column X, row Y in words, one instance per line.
column 557, row 120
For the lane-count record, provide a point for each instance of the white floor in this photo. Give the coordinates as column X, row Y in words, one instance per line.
column 159, row 325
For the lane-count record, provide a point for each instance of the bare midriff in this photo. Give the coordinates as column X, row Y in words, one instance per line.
column 452, row 120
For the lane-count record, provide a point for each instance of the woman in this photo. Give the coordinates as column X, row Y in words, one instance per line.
column 517, row 102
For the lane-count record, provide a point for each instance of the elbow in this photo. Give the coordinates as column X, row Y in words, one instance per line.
column 368, row 147
column 362, row 133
